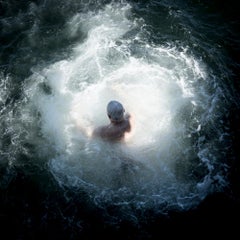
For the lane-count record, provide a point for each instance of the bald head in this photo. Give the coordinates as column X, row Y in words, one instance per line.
column 115, row 110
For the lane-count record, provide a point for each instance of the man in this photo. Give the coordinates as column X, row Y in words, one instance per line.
column 119, row 123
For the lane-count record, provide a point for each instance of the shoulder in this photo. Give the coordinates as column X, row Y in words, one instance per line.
column 100, row 131
column 109, row 132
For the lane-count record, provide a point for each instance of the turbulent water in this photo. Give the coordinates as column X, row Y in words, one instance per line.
column 167, row 62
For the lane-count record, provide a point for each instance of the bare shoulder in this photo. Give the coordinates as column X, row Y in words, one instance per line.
column 99, row 131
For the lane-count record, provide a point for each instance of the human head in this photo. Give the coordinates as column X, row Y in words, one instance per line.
column 115, row 111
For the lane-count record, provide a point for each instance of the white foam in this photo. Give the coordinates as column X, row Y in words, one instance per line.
column 153, row 85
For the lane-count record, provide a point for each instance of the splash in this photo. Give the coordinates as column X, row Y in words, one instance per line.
column 163, row 88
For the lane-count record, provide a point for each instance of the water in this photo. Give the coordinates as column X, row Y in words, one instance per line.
column 62, row 62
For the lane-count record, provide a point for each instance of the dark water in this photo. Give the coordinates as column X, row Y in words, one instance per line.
column 174, row 64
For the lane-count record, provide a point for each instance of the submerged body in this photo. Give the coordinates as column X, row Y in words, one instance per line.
column 115, row 131
column 119, row 123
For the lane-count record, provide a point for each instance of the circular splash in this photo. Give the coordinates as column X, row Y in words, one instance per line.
column 166, row 161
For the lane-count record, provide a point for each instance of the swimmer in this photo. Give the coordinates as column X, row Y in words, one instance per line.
column 119, row 123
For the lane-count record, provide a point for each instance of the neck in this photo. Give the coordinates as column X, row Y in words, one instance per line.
column 116, row 122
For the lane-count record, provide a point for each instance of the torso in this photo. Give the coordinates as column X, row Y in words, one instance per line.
column 113, row 131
